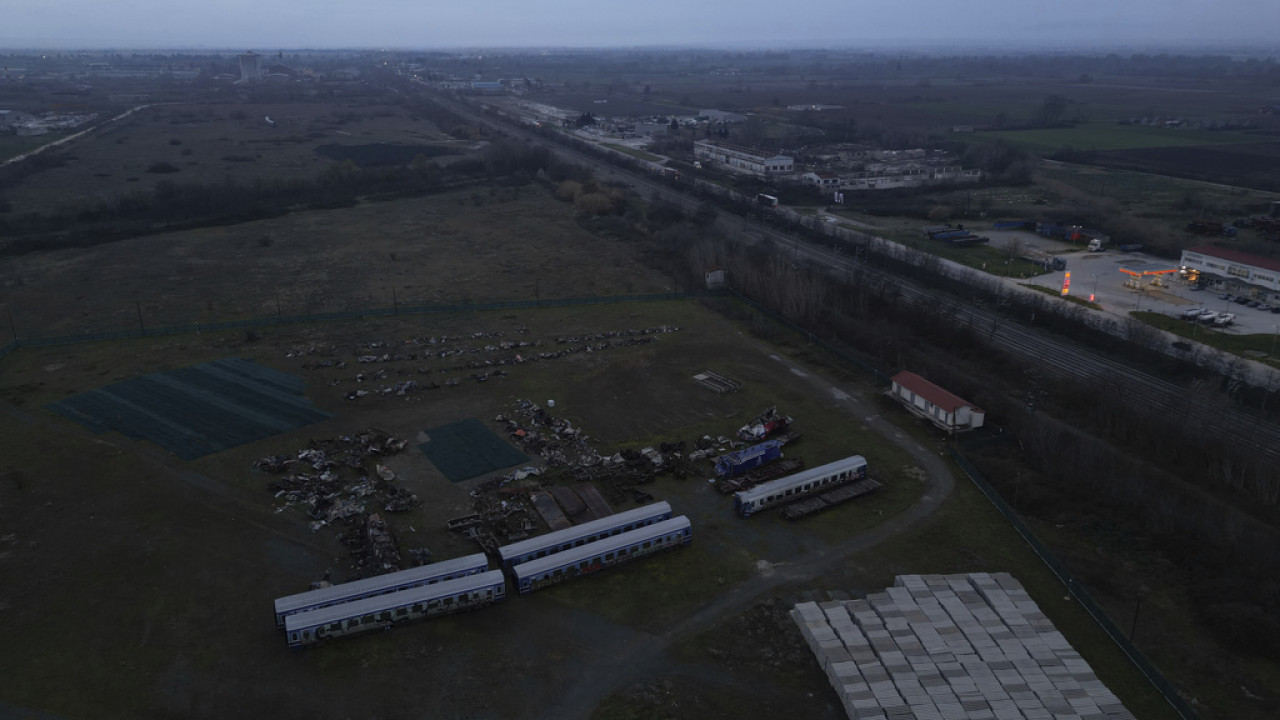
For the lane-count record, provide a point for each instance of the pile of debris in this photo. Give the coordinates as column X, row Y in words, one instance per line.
column 372, row 545
column 488, row 358
column 336, row 480
column 767, row 423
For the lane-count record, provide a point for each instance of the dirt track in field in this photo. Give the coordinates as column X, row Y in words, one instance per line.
column 639, row 657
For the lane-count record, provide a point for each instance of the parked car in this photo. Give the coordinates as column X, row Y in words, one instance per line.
column 1227, row 296
column 1276, row 309
column 1194, row 288
column 1253, row 303
column 1265, row 307
column 1224, row 319
column 1192, row 313
column 1242, row 300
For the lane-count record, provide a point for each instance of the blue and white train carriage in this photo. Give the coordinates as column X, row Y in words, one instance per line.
column 579, row 535
column 380, row 585
column 605, row 552
column 381, row 612
column 792, row 487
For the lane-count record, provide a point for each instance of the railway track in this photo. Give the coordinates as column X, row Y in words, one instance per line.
column 1055, row 356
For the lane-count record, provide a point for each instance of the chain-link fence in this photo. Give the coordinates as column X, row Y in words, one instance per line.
column 881, row 378
column 1075, row 589
column 396, row 310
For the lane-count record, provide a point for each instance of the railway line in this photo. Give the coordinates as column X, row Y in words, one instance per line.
column 1055, row 356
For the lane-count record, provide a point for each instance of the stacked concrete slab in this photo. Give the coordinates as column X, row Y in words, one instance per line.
column 952, row 647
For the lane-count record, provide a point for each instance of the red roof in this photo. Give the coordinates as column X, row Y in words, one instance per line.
column 1236, row 256
column 931, row 392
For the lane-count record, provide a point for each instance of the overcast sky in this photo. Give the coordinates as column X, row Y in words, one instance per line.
column 997, row 25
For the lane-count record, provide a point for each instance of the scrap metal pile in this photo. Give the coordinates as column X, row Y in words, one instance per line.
column 564, row 447
column 336, row 481
column 475, row 358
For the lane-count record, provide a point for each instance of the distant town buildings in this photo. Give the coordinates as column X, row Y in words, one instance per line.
column 250, row 68
column 722, row 116
column 743, row 158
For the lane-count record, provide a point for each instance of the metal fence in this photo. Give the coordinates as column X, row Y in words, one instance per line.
column 1077, row 591
column 393, row 311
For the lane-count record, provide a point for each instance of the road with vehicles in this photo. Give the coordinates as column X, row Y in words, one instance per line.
column 1218, row 418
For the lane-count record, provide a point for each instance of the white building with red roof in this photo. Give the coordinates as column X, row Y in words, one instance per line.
column 1233, row 267
column 923, row 398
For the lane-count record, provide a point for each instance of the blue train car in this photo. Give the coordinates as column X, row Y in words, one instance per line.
column 380, row 585
column 382, row 612
column 793, row 487
column 603, row 553
column 579, row 535
column 736, row 463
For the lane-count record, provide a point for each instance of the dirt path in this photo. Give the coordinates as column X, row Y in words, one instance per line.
column 641, row 656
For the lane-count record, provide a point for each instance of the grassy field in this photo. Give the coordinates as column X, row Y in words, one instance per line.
column 136, row 585
column 642, row 155
column 14, row 145
column 373, row 255
column 1110, row 136
column 206, row 530
column 212, row 144
column 1261, row 347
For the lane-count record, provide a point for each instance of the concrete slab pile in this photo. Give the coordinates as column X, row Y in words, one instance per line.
column 952, row 647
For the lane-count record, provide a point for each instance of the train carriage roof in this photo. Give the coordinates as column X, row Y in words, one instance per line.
column 506, row 552
column 850, row 463
column 379, row 603
column 599, row 547
column 421, row 574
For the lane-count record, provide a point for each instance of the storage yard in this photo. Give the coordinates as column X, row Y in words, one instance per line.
column 952, row 647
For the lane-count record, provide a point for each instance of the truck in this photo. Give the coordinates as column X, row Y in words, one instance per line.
column 1045, row 260
column 1095, row 245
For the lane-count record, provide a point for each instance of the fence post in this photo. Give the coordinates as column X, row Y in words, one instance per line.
column 142, row 328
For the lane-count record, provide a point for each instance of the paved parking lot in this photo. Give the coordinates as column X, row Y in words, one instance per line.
column 1099, row 274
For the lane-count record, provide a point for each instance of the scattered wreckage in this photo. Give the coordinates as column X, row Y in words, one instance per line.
column 336, row 482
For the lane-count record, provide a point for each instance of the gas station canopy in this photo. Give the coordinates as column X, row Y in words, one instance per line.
column 1148, row 268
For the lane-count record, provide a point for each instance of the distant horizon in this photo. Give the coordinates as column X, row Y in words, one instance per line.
column 999, row 26
column 940, row 48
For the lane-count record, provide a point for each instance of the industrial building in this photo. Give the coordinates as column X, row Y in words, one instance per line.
column 936, row 405
column 822, row 179
column 744, row 158
column 250, row 68
column 887, row 176
column 1232, row 270
column 952, row 647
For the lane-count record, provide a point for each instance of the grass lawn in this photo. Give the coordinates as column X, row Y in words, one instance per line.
column 1110, row 136
column 633, row 152
column 1261, row 347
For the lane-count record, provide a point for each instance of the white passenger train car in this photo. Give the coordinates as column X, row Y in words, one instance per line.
column 792, row 487
column 605, row 552
column 579, row 535
column 380, row 585
column 381, row 612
